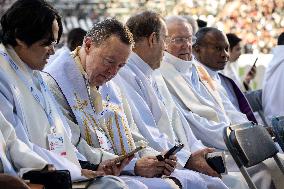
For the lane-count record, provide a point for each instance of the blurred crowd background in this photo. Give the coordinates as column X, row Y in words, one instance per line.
column 257, row 22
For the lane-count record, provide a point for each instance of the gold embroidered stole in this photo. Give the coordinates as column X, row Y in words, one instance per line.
column 210, row 84
column 108, row 120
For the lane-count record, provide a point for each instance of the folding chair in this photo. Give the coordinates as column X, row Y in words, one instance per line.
column 249, row 145
column 278, row 129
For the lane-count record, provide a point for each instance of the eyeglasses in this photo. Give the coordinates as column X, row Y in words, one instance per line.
column 183, row 40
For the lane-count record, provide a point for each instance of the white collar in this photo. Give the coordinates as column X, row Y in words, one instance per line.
column 179, row 64
column 27, row 71
column 141, row 64
column 214, row 74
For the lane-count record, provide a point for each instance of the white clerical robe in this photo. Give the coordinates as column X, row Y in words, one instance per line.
column 152, row 118
column 201, row 109
column 14, row 154
column 231, row 70
column 72, row 86
column 192, row 91
column 35, row 115
column 272, row 96
column 231, row 110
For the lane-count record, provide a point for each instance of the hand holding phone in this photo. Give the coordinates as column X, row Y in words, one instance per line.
column 122, row 157
column 170, row 152
column 216, row 160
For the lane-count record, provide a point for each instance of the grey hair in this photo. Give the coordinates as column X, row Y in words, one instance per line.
column 192, row 22
column 108, row 27
column 175, row 19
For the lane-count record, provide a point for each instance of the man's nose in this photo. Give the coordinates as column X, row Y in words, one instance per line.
column 113, row 70
column 51, row 50
column 186, row 44
column 225, row 54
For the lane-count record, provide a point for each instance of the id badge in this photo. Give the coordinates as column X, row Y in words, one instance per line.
column 56, row 144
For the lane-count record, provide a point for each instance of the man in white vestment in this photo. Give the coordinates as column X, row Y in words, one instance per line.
column 162, row 128
column 105, row 50
column 272, row 96
column 188, row 92
column 207, row 111
column 26, row 102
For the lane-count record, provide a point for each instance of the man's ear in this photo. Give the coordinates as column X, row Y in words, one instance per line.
column 21, row 43
column 152, row 39
column 87, row 44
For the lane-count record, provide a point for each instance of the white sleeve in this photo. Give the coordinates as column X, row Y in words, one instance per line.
column 147, row 126
column 209, row 132
column 7, row 107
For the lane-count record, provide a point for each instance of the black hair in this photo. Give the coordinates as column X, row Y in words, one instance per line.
column 106, row 28
column 233, row 40
column 75, row 38
column 201, row 23
column 144, row 24
column 280, row 40
column 201, row 33
column 29, row 21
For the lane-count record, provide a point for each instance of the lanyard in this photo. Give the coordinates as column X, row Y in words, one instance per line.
column 101, row 114
column 37, row 94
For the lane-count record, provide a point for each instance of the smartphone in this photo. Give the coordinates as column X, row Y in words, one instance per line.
column 122, row 157
column 170, row 152
column 254, row 62
column 216, row 160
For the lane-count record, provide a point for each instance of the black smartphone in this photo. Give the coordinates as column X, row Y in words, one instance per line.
column 50, row 179
column 170, row 152
column 254, row 62
column 216, row 161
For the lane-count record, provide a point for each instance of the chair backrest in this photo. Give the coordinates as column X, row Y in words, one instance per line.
column 255, row 99
column 278, row 129
column 249, row 144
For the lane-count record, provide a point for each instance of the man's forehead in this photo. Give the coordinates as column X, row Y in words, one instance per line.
column 180, row 28
column 216, row 38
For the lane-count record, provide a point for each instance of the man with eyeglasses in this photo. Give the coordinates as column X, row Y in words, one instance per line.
column 192, row 87
column 207, row 109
